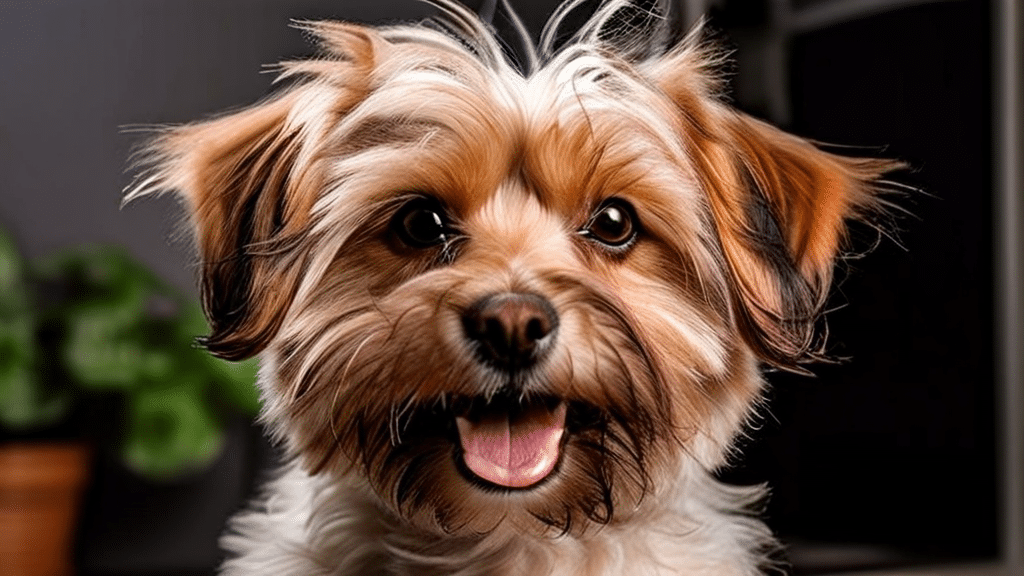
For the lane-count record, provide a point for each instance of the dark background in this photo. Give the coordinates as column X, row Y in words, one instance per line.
column 887, row 458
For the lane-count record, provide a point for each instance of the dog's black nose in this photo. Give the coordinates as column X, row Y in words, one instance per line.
column 512, row 330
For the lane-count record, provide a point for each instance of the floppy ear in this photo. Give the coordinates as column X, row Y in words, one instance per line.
column 780, row 206
column 781, row 212
column 249, row 181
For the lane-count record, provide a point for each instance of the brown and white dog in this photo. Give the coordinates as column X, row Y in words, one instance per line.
column 508, row 322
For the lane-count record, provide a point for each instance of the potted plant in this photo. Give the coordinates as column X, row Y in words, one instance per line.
column 97, row 353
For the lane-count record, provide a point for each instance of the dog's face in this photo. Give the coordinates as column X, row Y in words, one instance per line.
column 508, row 301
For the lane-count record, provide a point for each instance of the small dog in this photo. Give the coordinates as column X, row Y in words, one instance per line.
column 508, row 322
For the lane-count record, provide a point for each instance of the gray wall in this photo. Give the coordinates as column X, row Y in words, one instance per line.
column 76, row 74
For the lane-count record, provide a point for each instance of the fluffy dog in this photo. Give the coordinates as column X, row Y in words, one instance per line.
column 509, row 321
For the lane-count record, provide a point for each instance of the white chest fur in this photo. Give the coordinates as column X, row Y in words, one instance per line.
column 310, row 526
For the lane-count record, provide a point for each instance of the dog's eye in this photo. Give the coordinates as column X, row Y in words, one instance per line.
column 614, row 224
column 421, row 224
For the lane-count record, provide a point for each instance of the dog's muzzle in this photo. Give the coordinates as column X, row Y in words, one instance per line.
column 511, row 442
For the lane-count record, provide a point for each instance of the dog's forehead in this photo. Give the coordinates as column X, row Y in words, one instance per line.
column 571, row 134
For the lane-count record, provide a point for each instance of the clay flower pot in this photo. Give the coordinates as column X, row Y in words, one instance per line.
column 41, row 487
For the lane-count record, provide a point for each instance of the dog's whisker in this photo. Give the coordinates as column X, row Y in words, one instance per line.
column 393, row 426
column 339, row 385
column 406, row 412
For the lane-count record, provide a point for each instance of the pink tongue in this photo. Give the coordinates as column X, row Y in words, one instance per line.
column 516, row 452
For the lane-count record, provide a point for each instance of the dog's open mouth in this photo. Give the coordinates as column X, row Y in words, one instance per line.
column 511, row 444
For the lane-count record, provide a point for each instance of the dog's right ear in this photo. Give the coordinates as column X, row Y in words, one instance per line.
column 249, row 181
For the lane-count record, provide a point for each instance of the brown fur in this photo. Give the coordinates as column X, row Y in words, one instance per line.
column 294, row 201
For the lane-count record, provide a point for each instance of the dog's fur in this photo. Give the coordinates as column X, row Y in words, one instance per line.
column 300, row 207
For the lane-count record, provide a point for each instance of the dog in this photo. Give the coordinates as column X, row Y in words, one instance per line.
column 510, row 318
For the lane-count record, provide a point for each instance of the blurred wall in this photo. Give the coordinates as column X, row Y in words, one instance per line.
column 78, row 76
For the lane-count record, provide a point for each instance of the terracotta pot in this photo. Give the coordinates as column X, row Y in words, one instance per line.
column 41, row 487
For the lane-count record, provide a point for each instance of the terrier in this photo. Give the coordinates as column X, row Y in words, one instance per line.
column 509, row 321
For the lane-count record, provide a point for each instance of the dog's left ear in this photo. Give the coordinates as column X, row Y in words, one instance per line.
column 780, row 206
column 782, row 217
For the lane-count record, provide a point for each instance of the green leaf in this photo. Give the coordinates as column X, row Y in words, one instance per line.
column 192, row 322
column 110, row 342
column 17, row 341
column 171, row 431
column 236, row 382
column 11, row 266
column 95, row 350
column 14, row 300
column 24, row 404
